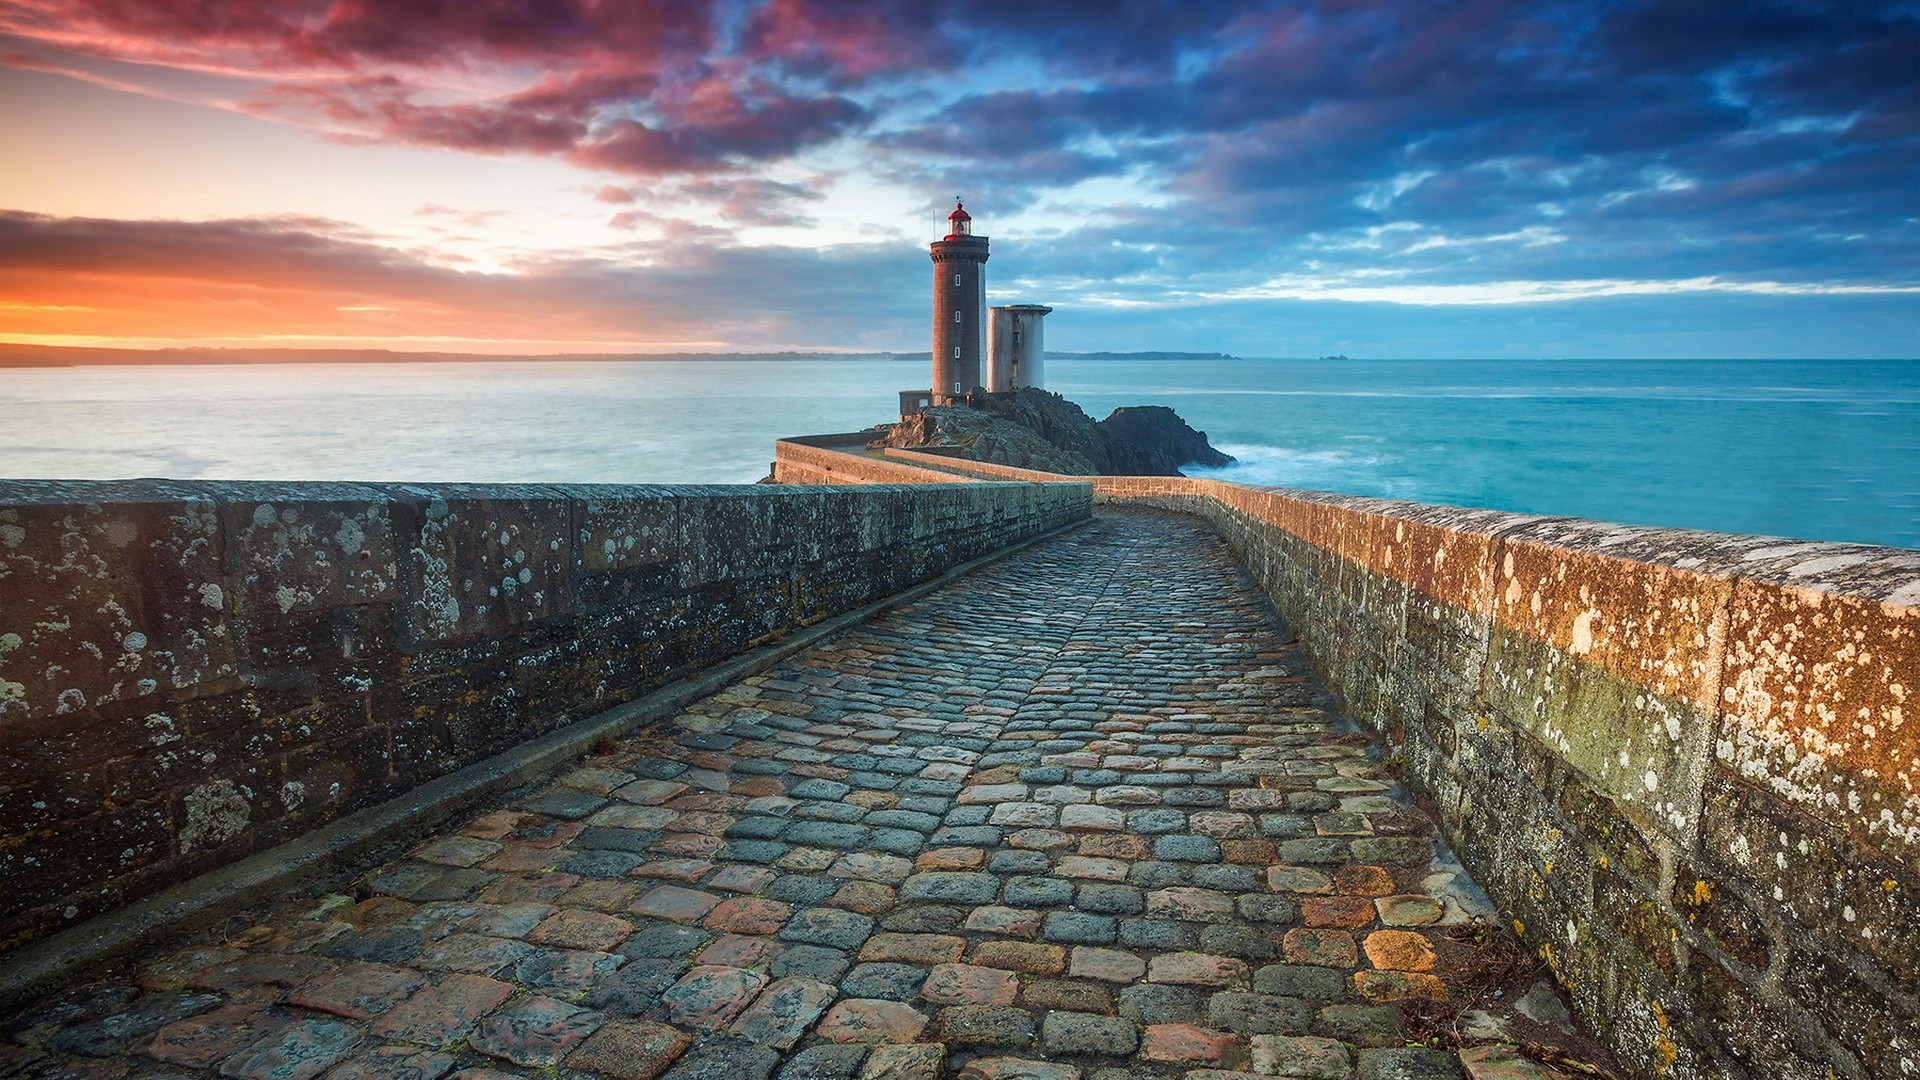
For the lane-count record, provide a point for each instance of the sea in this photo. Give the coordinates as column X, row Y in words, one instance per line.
column 1809, row 449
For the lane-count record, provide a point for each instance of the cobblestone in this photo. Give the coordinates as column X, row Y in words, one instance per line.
column 707, row 998
column 779, row 1017
column 1088, row 1033
column 916, row 1062
column 303, row 1051
column 1187, row 1045
column 1408, row 1063
column 535, row 1031
column 986, row 1025
column 969, row 984
column 892, row 982
column 872, row 1022
column 1073, row 995
column 1259, row 1014
column 1079, row 928
column 1305, row 1057
column 1083, row 805
column 735, row 1059
column 629, row 1050
column 827, row 1061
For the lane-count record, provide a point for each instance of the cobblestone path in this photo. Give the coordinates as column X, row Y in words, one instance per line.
column 1079, row 817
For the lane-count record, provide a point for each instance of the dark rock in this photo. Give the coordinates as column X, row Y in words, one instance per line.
column 1152, row 440
column 1153, row 1003
column 986, row 1025
column 1033, row 429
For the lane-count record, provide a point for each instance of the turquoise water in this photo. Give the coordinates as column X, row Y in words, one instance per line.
column 1825, row 450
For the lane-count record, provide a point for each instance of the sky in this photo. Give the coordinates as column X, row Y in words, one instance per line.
column 1452, row 178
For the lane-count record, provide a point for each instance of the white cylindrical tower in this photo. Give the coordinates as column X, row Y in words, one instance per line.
column 999, row 351
column 1016, row 330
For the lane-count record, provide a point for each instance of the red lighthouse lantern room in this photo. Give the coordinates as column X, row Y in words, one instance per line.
column 959, row 223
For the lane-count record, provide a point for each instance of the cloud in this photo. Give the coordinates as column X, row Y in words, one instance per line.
column 719, row 126
column 299, row 278
column 848, row 42
column 624, row 86
column 753, row 202
column 292, row 280
column 1502, row 293
column 1449, row 149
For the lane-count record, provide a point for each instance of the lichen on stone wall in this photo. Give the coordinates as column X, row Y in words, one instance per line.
column 216, row 812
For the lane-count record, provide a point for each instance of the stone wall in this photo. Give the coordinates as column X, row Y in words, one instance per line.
column 1688, row 763
column 798, row 463
column 192, row 672
column 952, row 463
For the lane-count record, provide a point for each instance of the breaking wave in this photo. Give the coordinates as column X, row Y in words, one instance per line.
column 1355, row 471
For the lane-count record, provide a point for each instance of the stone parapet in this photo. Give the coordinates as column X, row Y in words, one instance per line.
column 985, row 470
column 1687, row 763
column 194, row 672
column 796, row 462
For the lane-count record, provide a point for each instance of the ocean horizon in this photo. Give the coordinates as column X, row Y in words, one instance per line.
column 1805, row 449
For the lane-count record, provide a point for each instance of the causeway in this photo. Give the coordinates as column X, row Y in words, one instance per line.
column 1085, row 815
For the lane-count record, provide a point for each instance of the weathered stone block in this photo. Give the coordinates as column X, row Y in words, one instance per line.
column 1876, row 1027
column 480, row 561
column 1635, row 745
column 115, row 592
column 1715, row 907
column 629, row 546
column 1782, row 854
column 1815, row 689
column 315, row 571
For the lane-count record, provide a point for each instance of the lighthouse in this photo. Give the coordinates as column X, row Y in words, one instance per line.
column 959, row 308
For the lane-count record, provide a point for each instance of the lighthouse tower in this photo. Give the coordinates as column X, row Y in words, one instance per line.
column 959, row 308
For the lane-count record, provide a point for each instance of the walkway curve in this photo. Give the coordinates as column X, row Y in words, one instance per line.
column 1083, row 816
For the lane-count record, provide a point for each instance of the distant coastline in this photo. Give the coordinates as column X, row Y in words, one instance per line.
column 44, row 356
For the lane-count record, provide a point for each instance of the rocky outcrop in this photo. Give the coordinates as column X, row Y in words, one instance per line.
column 983, row 437
column 1033, row 429
column 1152, row 440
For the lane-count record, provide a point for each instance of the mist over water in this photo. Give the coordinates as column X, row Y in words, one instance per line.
column 1814, row 449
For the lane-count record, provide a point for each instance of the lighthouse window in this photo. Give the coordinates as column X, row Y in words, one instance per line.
column 956, row 281
column 956, row 316
column 956, row 352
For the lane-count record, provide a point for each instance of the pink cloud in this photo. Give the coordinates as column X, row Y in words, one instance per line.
column 852, row 40
column 714, row 125
column 623, row 86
